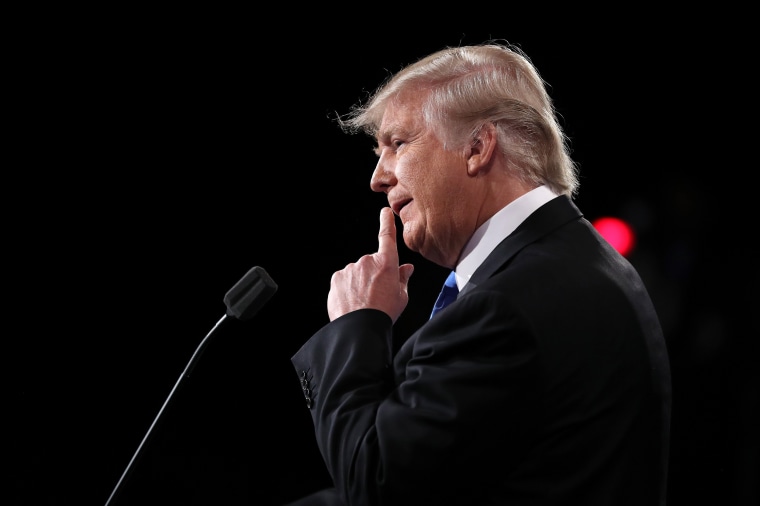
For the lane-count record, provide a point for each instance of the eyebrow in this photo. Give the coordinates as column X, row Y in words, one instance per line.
column 380, row 135
column 393, row 129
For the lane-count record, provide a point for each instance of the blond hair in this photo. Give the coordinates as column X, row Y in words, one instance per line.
column 470, row 86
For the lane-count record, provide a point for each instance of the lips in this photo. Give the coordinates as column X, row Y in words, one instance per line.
column 398, row 205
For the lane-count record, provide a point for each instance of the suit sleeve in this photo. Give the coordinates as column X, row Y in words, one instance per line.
column 407, row 433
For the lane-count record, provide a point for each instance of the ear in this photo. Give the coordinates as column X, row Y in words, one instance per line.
column 482, row 150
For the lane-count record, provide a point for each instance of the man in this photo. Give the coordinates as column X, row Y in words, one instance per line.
column 546, row 381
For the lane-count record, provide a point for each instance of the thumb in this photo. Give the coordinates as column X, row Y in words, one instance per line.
column 404, row 273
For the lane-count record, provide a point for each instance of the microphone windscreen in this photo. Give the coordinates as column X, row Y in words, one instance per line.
column 249, row 294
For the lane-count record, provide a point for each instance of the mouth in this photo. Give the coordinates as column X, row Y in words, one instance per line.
column 399, row 205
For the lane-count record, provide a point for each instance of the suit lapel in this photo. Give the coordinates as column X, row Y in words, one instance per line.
column 544, row 220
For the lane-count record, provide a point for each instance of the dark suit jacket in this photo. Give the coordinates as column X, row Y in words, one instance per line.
column 546, row 382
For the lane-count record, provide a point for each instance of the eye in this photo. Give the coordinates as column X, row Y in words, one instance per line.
column 397, row 143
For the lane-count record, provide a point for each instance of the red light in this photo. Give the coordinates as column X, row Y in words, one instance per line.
column 617, row 232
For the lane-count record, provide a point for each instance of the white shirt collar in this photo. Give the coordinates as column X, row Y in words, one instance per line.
column 496, row 228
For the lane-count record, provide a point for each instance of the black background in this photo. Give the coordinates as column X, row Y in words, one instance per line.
column 163, row 157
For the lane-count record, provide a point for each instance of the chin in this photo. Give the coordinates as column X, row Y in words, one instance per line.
column 411, row 240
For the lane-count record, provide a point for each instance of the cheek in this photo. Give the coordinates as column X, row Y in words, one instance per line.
column 430, row 178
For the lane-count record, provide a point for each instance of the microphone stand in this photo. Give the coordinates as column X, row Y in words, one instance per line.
column 243, row 301
column 180, row 381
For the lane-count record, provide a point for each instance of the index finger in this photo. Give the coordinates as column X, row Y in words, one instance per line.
column 387, row 235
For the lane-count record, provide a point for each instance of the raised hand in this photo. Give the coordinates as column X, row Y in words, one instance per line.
column 375, row 281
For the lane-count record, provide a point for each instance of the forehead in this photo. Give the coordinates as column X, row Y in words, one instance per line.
column 403, row 115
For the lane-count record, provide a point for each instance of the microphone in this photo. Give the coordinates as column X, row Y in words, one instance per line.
column 243, row 301
column 249, row 294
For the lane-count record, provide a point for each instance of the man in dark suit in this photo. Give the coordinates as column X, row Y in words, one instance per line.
column 546, row 381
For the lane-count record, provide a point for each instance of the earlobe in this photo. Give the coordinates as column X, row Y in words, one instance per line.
column 481, row 150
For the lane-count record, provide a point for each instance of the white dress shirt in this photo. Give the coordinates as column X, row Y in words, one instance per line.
column 496, row 228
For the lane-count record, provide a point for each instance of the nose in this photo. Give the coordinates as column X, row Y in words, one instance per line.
column 383, row 179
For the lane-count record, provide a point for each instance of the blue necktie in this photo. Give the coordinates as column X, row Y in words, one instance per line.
column 448, row 294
